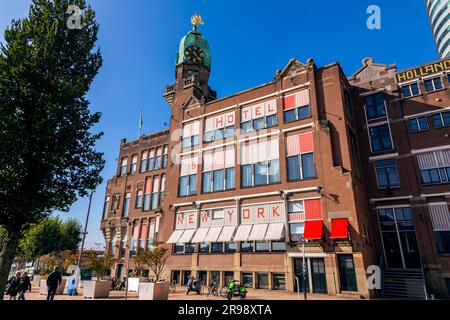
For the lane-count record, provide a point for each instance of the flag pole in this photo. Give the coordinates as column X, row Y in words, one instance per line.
column 140, row 124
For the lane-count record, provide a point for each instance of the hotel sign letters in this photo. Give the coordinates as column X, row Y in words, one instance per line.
column 424, row 71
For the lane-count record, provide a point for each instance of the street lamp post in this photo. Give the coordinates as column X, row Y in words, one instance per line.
column 128, row 262
column 78, row 276
column 304, row 268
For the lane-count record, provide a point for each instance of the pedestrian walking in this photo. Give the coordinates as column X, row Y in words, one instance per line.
column 53, row 281
column 71, row 286
column 13, row 288
column 24, row 285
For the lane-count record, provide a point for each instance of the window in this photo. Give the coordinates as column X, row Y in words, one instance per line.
column 418, row 124
column 262, row 246
column 155, row 193
column 217, row 247
column 278, row 246
column 188, row 176
column 230, row 247
column 228, row 276
column 151, row 160
column 410, row 90
column 191, row 132
column 300, row 157
column 165, row 157
column 259, row 163
column 163, row 188
column 433, row 84
column 143, row 237
column 279, row 281
column 380, row 138
column 246, row 246
column 189, row 248
column 296, row 107
column 247, row 279
column 123, row 167
column 151, row 233
column 434, row 166
column 105, row 208
column 133, row 167
column 387, row 175
column 204, row 248
column 262, row 280
column 296, row 231
column 435, row 176
column 218, row 170
column 144, row 158
column 139, row 199
column 219, row 127
column 126, row 205
column 147, row 194
column 375, row 107
column 260, row 116
column 158, row 158
column 443, row 241
column 441, row 119
column 115, row 203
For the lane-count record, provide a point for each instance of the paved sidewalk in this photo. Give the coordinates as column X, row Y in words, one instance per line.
column 181, row 295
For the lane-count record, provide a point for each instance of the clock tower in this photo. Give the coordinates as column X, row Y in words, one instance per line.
column 192, row 66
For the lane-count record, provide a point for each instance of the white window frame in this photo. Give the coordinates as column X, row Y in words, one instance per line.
column 408, row 84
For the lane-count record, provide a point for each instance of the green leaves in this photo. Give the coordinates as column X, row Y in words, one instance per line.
column 47, row 141
column 49, row 236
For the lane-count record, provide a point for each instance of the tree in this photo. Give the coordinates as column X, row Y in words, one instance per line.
column 140, row 261
column 156, row 259
column 47, row 144
column 101, row 264
column 3, row 234
column 50, row 236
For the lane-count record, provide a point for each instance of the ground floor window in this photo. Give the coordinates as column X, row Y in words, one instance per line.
column 443, row 241
column 228, row 276
column 176, row 276
column 186, row 276
column 279, row 281
column 215, row 276
column 202, row 276
column 247, row 279
column 262, row 280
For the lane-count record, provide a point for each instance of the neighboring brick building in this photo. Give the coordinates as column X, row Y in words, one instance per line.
column 251, row 175
column 407, row 170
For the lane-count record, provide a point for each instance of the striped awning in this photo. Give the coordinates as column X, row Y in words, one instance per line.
column 258, row 232
column 186, row 236
column 213, row 234
column 175, row 236
column 275, row 231
column 243, row 232
column 440, row 216
column 227, row 234
column 200, row 235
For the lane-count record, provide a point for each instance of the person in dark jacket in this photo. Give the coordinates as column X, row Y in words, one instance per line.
column 24, row 285
column 53, row 281
column 13, row 288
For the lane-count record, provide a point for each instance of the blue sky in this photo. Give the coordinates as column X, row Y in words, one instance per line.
column 249, row 41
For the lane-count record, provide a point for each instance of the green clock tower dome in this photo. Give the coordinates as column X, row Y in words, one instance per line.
column 194, row 49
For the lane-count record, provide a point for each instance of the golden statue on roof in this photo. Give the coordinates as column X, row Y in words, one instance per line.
column 196, row 20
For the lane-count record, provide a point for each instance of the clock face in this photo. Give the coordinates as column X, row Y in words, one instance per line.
column 194, row 54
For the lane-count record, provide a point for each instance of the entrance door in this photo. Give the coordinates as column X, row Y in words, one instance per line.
column 318, row 276
column 399, row 238
column 347, row 273
column 298, row 272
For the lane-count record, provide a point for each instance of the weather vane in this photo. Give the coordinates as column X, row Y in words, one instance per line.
column 196, row 20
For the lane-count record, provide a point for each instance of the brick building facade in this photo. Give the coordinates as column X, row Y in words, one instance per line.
column 246, row 181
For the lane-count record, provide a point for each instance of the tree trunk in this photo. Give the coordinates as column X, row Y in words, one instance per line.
column 7, row 254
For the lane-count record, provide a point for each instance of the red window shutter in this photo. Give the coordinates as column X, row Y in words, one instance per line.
column 306, row 143
column 313, row 209
column 148, row 186
column 289, row 102
column 143, row 232
column 313, row 230
column 339, row 228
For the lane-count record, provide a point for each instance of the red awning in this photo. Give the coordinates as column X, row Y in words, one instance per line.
column 313, row 230
column 339, row 228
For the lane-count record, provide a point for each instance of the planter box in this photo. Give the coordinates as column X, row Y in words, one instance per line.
column 133, row 284
column 44, row 291
column 153, row 291
column 96, row 289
